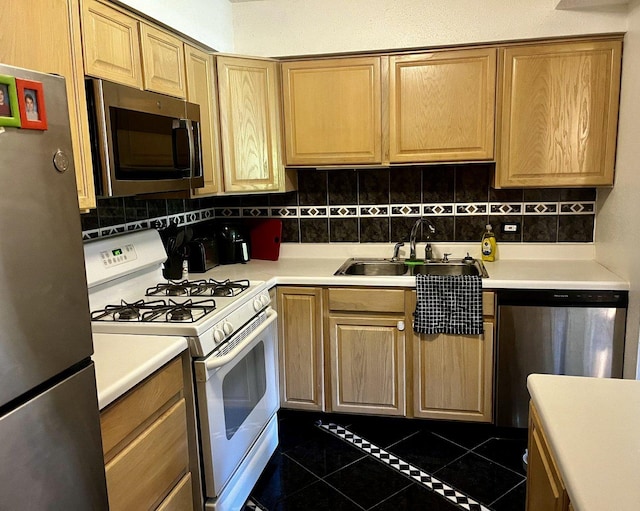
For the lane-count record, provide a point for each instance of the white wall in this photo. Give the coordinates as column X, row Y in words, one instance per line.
column 297, row 27
column 618, row 213
column 207, row 21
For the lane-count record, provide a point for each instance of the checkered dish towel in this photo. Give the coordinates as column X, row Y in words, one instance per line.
column 448, row 304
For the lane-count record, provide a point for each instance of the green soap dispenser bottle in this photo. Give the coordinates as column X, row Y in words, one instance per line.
column 489, row 245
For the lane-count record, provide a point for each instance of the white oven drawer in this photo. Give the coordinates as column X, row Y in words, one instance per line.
column 237, row 395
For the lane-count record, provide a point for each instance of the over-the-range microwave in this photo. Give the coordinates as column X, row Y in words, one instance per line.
column 142, row 142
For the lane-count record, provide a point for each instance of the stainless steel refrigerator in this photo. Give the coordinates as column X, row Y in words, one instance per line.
column 50, row 445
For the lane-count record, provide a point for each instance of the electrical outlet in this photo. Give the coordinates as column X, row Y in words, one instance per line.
column 511, row 227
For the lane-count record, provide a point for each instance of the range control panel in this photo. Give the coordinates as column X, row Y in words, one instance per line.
column 119, row 255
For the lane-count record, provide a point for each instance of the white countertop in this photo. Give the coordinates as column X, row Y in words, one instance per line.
column 593, row 426
column 123, row 361
column 503, row 274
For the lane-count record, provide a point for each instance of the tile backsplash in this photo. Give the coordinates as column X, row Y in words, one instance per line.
column 381, row 205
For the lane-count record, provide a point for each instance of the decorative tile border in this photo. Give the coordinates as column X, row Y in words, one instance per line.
column 355, row 211
column 454, row 496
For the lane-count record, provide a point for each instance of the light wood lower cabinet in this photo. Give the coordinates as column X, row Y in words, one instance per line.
column 545, row 488
column 367, row 356
column 300, row 345
column 146, row 444
column 366, row 344
column 372, row 365
column 453, row 374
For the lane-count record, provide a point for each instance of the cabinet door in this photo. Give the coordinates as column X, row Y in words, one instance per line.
column 559, row 113
column 300, row 344
column 332, row 111
column 367, row 355
column 201, row 89
column 30, row 40
column 441, row 106
column 111, row 43
column 249, row 124
column 545, row 489
column 162, row 62
column 453, row 376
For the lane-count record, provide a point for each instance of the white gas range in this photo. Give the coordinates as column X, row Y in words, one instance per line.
column 232, row 335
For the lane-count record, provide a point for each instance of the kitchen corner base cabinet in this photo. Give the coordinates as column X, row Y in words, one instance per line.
column 558, row 114
column 301, row 348
column 545, row 488
column 146, row 445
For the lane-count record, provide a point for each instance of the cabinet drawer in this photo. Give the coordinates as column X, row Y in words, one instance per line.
column 180, row 498
column 120, row 420
column 366, row 300
column 144, row 473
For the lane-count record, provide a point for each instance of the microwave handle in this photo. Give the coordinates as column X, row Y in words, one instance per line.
column 187, row 125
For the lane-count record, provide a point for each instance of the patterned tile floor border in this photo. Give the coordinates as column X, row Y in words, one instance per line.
column 427, row 480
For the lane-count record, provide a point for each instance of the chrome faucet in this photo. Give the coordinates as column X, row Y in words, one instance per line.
column 414, row 233
column 396, row 250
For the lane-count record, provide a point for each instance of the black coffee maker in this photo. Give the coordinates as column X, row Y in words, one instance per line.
column 233, row 243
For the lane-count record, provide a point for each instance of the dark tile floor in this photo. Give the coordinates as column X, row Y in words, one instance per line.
column 315, row 470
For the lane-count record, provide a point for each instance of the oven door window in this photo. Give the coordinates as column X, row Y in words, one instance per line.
column 148, row 146
column 243, row 388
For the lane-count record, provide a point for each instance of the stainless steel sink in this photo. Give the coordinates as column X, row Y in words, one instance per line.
column 394, row 268
column 450, row 268
column 377, row 267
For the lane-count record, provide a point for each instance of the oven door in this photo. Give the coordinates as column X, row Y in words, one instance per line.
column 237, row 394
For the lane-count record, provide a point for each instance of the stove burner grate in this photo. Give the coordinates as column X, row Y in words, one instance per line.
column 155, row 311
column 209, row 287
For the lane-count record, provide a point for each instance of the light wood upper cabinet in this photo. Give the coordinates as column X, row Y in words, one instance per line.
column 202, row 89
column 111, row 44
column 441, row 106
column 162, row 62
column 45, row 36
column 332, row 111
column 121, row 48
column 558, row 114
column 250, row 124
column 300, row 346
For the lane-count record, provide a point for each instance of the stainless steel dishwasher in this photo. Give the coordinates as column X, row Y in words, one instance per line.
column 578, row 333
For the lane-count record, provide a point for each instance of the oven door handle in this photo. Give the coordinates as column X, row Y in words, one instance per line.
column 214, row 362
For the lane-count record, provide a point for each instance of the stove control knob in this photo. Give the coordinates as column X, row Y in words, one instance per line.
column 257, row 305
column 227, row 327
column 265, row 300
column 218, row 336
